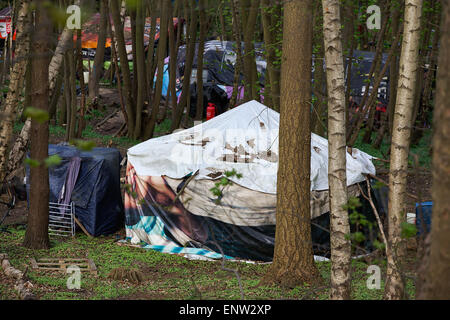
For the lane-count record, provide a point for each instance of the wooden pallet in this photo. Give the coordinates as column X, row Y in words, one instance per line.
column 61, row 264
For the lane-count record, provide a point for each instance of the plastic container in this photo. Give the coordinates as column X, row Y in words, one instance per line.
column 423, row 216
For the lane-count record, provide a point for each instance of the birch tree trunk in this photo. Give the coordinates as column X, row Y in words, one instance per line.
column 15, row 85
column 293, row 261
column 400, row 145
column 437, row 284
column 337, row 176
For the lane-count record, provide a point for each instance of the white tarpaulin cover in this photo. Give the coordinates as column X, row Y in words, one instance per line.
column 245, row 139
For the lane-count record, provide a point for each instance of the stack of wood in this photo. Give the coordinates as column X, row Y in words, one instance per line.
column 22, row 286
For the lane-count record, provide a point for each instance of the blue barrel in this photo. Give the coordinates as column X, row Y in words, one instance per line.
column 423, row 216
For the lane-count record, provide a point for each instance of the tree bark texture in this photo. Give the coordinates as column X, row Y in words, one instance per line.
column 293, row 261
column 337, row 164
column 36, row 236
column 400, row 145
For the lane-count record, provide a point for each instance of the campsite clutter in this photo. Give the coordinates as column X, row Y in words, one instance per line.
column 168, row 201
column 167, row 204
column 170, row 206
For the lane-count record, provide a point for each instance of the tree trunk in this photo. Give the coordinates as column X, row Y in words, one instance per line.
column 162, row 44
column 400, row 145
column 73, row 93
column 337, row 164
column 190, row 51
column 238, row 64
column 174, row 44
column 15, row 85
column 358, row 118
column 79, row 59
column 139, row 67
column 318, row 123
column 249, row 15
column 99, row 52
column 201, row 49
column 151, row 48
column 394, row 69
column 386, row 123
column 36, row 236
column 122, row 54
column 293, row 261
column 437, row 284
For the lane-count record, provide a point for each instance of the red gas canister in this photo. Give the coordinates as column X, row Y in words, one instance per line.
column 210, row 111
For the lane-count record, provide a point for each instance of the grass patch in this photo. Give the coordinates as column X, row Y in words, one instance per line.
column 165, row 276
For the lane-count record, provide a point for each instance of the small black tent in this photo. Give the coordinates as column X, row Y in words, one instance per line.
column 96, row 193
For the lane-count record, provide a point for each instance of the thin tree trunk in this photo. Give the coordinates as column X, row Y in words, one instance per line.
column 190, row 51
column 386, row 123
column 238, row 65
column 201, row 49
column 318, row 124
column 55, row 97
column 174, row 43
column 421, row 121
column 337, row 164
column 122, row 54
column 36, row 236
column 81, row 120
column 358, row 118
column 151, row 48
column 394, row 69
column 293, row 262
column 139, row 67
column 67, row 96
column 400, row 146
column 73, row 94
column 150, row 128
column 99, row 58
column 250, row 12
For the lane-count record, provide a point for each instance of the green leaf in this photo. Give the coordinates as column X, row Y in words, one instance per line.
column 36, row 114
column 32, row 162
column 53, row 160
column 83, row 145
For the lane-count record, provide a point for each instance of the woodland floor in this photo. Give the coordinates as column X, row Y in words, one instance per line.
column 168, row 276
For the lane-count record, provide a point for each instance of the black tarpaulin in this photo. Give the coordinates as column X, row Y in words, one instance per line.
column 96, row 194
